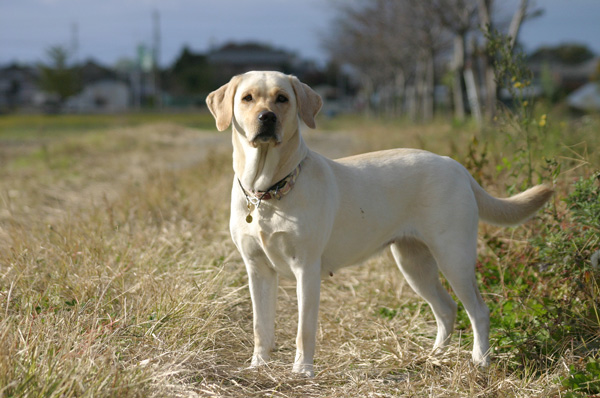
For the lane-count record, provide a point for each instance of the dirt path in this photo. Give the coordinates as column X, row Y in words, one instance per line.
column 173, row 147
column 54, row 177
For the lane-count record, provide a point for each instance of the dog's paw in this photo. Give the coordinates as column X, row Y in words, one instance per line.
column 258, row 361
column 482, row 362
column 304, row 370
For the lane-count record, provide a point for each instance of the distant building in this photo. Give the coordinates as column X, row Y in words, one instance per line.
column 586, row 98
column 130, row 85
column 193, row 75
column 233, row 59
column 569, row 77
column 103, row 90
column 18, row 87
column 104, row 96
column 91, row 71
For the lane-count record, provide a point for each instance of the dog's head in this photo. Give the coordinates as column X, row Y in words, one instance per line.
column 264, row 106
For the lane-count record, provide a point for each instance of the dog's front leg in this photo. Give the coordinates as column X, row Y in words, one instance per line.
column 308, row 288
column 263, row 291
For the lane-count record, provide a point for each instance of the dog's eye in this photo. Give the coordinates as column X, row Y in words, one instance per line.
column 247, row 98
column 281, row 98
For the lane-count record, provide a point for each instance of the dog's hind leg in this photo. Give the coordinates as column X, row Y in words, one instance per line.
column 457, row 263
column 421, row 272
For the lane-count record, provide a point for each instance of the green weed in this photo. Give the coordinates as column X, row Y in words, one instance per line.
column 583, row 381
column 547, row 301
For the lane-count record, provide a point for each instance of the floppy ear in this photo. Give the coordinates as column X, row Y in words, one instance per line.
column 220, row 103
column 309, row 102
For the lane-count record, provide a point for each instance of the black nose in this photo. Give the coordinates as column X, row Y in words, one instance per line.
column 267, row 117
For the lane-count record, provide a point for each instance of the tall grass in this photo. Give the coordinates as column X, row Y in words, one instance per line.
column 118, row 278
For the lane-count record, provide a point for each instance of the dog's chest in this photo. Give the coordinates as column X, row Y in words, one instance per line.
column 268, row 239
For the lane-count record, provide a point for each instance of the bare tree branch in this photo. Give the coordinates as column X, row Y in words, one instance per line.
column 517, row 20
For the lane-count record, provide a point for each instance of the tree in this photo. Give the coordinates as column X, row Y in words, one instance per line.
column 459, row 18
column 489, row 27
column 192, row 75
column 364, row 38
column 392, row 46
column 56, row 76
column 396, row 46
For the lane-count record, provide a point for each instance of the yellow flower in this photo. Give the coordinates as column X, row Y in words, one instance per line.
column 518, row 85
column 542, row 122
column 513, row 79
column 525, row 103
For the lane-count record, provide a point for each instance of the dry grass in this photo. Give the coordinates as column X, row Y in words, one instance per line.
column 118, row 278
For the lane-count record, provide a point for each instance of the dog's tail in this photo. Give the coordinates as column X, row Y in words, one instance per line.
column 513, row 210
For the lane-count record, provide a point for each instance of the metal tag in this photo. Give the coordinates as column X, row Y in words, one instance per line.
column 249, row 218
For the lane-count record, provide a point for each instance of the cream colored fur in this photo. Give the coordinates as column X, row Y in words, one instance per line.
column 423, row 206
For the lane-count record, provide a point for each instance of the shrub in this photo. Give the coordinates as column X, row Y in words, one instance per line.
column 547, row 305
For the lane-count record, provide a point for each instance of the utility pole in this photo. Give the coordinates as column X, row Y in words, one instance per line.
column 76, row 68
column 156, row 57
column 74, row 41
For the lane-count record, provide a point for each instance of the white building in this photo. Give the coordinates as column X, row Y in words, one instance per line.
column 104, row 96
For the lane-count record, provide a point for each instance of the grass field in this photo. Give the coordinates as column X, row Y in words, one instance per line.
column 118, row 277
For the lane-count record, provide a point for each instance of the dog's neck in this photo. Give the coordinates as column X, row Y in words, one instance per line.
column 258, row 168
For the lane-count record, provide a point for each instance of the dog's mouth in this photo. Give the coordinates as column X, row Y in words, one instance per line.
column 266, row 136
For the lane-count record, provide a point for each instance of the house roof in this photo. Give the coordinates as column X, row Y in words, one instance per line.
column 244, row 54
column 586, row 98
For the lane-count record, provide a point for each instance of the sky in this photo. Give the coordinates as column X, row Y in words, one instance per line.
column 108, row 30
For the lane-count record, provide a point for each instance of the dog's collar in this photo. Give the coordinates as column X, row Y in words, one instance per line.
column 277, row 190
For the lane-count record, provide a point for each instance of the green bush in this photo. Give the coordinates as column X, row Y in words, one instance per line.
column 548, row 303
column 583, row 382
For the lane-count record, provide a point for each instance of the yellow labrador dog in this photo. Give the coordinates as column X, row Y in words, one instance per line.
column 298, row 214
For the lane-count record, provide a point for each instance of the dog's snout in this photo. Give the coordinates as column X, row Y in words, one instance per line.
column 267, row 117
column 267, row 128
